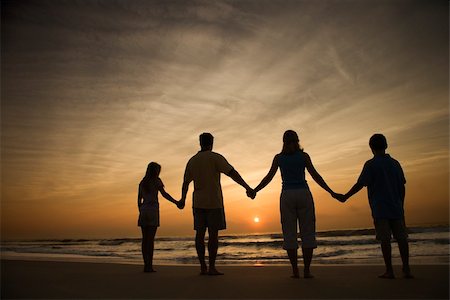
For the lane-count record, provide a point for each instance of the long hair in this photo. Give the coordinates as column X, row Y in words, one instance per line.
column 291, row 142
column 152, row 172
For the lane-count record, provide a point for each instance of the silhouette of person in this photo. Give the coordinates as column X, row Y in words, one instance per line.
column 204, row 168
column 296, row 202
column 148, row 206
column 385, row 181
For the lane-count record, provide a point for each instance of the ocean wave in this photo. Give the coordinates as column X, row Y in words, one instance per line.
column 116, row 242
column 52, row 250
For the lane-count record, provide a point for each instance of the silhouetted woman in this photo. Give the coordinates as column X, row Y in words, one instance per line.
column 148, row 205
column 296, row 202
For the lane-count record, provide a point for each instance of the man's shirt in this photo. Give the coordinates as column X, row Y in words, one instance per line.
column 204, row 169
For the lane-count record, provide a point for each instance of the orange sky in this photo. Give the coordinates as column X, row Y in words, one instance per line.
column 92, row 92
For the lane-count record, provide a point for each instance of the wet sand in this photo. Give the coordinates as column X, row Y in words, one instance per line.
column 45, row 279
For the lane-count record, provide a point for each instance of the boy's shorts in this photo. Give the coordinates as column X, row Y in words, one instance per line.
column 385, row 227
column 209, row 218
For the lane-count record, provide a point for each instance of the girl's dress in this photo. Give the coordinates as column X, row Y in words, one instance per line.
column 149, row 210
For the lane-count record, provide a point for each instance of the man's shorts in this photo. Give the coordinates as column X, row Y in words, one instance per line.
column 209, row 218
column 385, row 227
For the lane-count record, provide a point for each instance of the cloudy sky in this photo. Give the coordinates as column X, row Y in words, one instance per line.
column 94, row 90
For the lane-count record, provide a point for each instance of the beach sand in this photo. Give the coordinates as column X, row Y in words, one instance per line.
column 45, row 279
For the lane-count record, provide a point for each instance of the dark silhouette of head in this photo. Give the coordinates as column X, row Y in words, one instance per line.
column 378, row 143
column 206, row 141
column 153, row 170
column 291, row 142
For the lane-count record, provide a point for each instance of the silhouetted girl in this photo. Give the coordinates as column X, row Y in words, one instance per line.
column 296, row 202
column 148, row 205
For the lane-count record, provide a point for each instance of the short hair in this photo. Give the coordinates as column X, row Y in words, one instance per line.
column 206, row 139
column 378, row 142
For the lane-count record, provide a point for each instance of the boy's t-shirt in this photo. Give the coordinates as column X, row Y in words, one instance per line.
column 385, row 181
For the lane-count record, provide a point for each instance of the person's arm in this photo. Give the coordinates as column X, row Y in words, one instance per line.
column 268, row 178
column 402, row 193
column 364, row 179
column 402, row 185
column 166, row 195
column 184, row 190
column 185, row 187
column 356, row 188
column 139, row 199
column 233, row 174
column 316, row 176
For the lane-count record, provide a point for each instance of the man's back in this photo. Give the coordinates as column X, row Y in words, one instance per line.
column 385, row 181
column 204, row 169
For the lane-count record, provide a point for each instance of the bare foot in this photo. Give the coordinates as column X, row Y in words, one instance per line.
column 203, row 270
column 214, row 272
column 149, row 269
column 387, row 275
column 407, row 273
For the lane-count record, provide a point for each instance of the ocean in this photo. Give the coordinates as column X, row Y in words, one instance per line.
column 428, row 245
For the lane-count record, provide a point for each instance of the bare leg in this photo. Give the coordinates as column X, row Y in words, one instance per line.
column 200, row 247
column 307, row 258
column 292, row 254
column 404, row 253
column 144, row 247
column 213, row 246
column 387, row 256
column 151, row 245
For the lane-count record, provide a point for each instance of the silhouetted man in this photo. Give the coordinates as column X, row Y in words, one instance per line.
column 204, row 169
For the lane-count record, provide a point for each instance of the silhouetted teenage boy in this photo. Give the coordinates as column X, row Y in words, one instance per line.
column 383, row 176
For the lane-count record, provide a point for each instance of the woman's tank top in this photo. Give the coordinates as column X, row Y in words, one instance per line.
column 292, row 167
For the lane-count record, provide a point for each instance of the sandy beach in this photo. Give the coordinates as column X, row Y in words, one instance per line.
column 45, row 279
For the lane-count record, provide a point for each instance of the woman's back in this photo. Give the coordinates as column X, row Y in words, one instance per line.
column 292, row 167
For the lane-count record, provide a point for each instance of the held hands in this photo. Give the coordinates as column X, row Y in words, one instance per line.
column 181, row 203
column 251, row 193
column 340, row 197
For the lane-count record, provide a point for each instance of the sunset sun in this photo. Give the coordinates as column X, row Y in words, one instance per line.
column 256, row 219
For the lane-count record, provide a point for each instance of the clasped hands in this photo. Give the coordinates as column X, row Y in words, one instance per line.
column 340, row 197
column 180, row 204
column 251, row 193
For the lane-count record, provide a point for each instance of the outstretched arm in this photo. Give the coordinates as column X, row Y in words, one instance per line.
column 167, row 196
column 268, row 178
column 316, row 176
column 356, row 188
column 233, row 174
